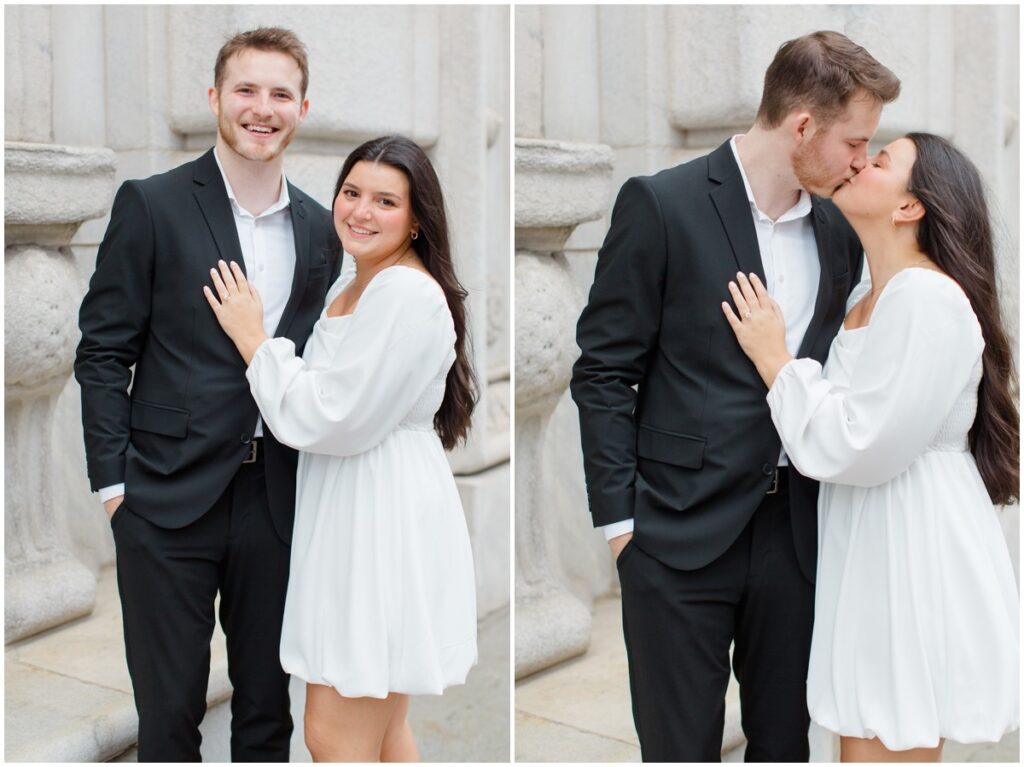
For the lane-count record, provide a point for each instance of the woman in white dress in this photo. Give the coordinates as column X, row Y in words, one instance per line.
column 914, row 433
column 381, row 601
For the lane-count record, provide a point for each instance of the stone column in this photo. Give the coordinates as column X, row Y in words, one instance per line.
column 558, row 186
column 469, row 157
column 49, row 191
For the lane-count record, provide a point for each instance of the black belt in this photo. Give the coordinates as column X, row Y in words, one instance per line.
column 780, row 480
column 255, row 450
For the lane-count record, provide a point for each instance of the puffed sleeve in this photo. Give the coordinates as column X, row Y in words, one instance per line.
column 923, row 341
column 400, row 335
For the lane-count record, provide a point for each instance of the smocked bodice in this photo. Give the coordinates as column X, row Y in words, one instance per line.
column 953, row 433
column 364, row 375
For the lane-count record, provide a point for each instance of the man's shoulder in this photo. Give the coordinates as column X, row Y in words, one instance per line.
column 319, row 217
column 827, row 208
column 308, row 201
column 175, row 179
column 830, row 215
column 691, row 175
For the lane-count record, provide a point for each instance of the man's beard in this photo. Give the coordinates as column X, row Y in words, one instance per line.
column 252, row 151
column 811, row 171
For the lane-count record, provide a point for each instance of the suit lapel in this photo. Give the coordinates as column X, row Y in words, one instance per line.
column 213, row 201
column 733, row 207
column 300, row 230
column 823, row 241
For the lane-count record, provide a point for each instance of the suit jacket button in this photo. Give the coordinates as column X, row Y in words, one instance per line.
column 246, row 439
column 767, row 469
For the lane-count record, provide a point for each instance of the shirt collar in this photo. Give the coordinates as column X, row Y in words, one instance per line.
column 803, row 204
column 283, row 200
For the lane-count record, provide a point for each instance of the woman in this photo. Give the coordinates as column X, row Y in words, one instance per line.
column 914, row 433
column 381, row 601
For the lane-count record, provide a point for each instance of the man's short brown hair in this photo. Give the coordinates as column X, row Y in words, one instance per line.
column 263, row 39
column 821, row 72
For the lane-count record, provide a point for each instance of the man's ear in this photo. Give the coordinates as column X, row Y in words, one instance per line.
column 909, row 212
column 802, row 124
column 303, row 109
column 213, row 97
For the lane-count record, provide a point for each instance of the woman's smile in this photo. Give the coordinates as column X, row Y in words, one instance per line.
column 360, row 232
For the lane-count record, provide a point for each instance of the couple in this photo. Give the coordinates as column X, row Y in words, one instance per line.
column 705, row 477
column 294, row 391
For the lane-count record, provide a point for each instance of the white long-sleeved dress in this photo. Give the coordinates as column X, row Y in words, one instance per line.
column 381, row 594
column 916, row 611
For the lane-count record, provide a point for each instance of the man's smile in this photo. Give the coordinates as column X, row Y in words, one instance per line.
column 260, row 130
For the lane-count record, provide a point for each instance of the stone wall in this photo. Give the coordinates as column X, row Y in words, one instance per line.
column 659, row 85
column 121, row 91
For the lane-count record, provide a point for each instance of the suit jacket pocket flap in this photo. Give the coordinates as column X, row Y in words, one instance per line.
column 159, row 419
column 676, row 449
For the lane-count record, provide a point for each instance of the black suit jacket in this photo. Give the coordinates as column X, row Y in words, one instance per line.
column 689, row 452
column 180, row 434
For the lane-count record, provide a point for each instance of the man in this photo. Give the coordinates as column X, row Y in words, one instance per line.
column 199, row 492
column 714, row 535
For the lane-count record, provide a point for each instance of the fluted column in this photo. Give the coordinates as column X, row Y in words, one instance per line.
column 49, row 191
column 558, row 186
column 471, row 154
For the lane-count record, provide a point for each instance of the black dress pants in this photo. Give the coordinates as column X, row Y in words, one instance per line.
column 168, row 580
column 678, row 627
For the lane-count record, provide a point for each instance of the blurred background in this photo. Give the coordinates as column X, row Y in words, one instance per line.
column 603, row 93
column 95, row 95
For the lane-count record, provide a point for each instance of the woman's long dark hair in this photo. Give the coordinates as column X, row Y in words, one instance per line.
column 452, row 420
column 956, row 233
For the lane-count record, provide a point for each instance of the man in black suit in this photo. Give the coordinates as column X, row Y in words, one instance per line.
column 714, row 535
column 199, row 493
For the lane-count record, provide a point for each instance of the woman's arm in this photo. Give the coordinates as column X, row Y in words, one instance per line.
column 919, row 351
column 396, row 344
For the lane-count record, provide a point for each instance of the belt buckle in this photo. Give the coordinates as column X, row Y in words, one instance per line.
column 251, row 458
column 774, row 488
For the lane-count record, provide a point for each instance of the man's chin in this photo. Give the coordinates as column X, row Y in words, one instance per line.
column 256, row 152
column 259, row 153
column 822, row 191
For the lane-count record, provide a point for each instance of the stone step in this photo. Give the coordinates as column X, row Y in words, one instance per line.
column 69, row 699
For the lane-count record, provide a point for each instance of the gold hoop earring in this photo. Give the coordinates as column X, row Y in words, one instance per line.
column 894, row 221
column 414, row 235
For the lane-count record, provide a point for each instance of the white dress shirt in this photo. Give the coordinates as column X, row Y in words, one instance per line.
column 789, row 255
column 268, row 251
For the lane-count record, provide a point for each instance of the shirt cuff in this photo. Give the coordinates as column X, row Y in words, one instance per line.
column 111, row 491
column 615, row 529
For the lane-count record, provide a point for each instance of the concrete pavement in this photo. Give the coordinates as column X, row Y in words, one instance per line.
column 579, row 711
column 469, row 723
column 68, row 697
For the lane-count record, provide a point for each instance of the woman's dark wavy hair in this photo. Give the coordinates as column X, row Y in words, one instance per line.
column 956, row 233
column 452, row 420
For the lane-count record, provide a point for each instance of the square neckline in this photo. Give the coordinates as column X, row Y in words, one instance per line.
column 842, row 326
column 325, row 316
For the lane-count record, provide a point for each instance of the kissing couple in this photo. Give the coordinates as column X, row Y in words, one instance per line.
column 796, row 401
